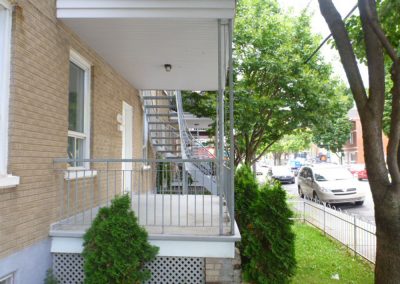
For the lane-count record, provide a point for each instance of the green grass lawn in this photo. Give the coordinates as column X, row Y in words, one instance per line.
column 318, row 258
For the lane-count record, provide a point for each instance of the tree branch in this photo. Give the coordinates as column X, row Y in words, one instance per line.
column 265, row 149
column 339, row 32
column 373, row 22
column 375, row 58
column 394, row 135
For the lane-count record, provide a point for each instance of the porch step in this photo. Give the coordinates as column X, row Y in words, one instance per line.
column 163, row 114
column 169, row 151
column 158, row 97
column 164, row 130
column 177, row 137
column 167, row 145
column 160, row 106
column 163, row 122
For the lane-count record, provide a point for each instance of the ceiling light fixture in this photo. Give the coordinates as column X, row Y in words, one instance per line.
column 167, row 67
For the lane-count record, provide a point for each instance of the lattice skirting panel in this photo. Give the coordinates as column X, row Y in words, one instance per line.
column 177, row 270
column 68, row 268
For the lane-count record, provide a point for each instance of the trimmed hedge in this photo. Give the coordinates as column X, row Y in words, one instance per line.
column 116, row 247
column 263, row 216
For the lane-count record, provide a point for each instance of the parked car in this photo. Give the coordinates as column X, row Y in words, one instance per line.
column 356, row 168
column 294, row 166
column 330, row 184
column 362, row 174
column 282, row 174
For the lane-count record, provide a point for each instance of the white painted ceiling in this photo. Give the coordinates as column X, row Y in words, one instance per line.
column 138, row 48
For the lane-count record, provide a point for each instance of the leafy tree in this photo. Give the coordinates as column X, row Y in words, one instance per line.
column 388, row 12
column 300, row 140
column 380, row 47
column 334, row 135
column 275, row 92
column 116, row 247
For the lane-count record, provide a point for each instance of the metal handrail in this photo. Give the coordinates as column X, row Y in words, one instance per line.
column 190, row 146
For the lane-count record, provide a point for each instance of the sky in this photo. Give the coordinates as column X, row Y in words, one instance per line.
column 319, row 26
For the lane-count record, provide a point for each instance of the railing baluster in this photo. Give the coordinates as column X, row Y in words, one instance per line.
column 61, row 177
column 115, row 183
column 83, row 196
column 91, row 197
column 186, row 207
column 76, row 196
column 107, row 172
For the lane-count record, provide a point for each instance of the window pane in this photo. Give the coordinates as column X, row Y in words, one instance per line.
column 79, row 151
column 71, row 150
column 75, row 151
column 76, row 97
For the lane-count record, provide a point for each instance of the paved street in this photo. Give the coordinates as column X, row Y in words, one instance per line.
column 364, row 212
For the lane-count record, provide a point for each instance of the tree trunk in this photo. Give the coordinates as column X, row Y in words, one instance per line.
column 387, row 212
column 386, row 193
column 277, row 159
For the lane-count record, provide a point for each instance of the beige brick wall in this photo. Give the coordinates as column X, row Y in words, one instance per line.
column 39, row 119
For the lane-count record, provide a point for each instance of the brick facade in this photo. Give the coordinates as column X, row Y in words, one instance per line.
column 39, row 119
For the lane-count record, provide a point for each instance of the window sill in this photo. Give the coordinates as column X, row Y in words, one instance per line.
column 9, row 181
column 73, row 174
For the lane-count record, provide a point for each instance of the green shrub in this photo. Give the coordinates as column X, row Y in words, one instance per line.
column 116, row 247
column 263, row 216
column 246, row 188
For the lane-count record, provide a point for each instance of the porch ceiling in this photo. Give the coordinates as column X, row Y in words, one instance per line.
column 138, row 37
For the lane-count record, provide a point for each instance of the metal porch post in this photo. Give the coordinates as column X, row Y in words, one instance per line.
column 220, row 152
column 231, row 134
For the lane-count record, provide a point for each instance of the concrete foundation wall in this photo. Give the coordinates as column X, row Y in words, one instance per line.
column 28, row 265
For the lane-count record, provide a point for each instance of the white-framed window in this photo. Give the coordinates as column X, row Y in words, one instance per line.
column 79, row 110
column 9, row 279
column 6, row 180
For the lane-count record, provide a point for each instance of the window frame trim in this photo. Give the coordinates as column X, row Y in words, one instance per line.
column 86, row 66
column 6, row 180
column 10, row 277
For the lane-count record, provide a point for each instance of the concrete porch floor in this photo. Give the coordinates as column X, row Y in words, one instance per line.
column 167, row 214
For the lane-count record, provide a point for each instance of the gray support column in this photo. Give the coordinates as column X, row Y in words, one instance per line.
column 220, row 133
column 231, row 134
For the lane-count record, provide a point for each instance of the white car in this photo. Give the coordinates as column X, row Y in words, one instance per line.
column 330, row 184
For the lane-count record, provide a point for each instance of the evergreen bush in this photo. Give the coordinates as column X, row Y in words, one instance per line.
column 263, row 216
column 116, row 247
column 246, row 188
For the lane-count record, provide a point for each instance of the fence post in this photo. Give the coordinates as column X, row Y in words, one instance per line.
column 304, row 211
column 355, row 235
column 324, row 204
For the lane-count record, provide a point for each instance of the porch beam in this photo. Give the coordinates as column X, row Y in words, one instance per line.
column 205, row 9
